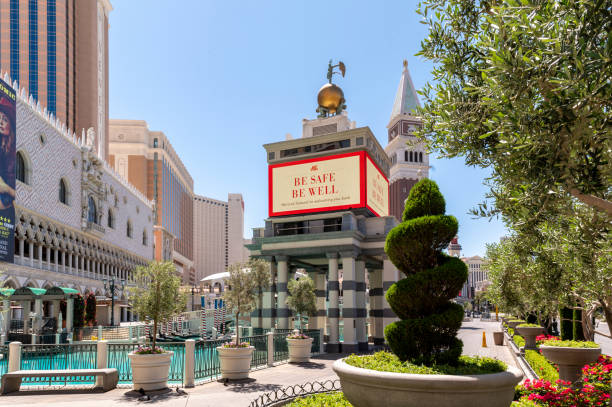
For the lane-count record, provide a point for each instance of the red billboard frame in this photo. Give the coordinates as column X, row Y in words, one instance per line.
column 362, row 184
column 365, row 181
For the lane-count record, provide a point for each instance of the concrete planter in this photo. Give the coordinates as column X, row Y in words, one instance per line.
column 570, row 360
column 370, row 388
column 150, row 372
column 513, row 325
column 299, row 350
column 235, row 362
column 529, row 333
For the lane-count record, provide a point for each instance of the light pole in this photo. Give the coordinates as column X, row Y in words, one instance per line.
column 110, row 287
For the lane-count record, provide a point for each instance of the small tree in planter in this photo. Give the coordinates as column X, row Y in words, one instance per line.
column 239, row 297
column 260, row 273
column 156, row 295
column 301, row 300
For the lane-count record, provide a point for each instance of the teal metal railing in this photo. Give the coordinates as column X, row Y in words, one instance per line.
column 118, row 358
column 315, row 334
column 58, row 357
column 4, row 357
column 177, row 363
column 260, row 354
column 281, row 348
column 207, row 359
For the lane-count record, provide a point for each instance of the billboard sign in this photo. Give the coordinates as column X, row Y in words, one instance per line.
column 336, row 182
column 8, row 141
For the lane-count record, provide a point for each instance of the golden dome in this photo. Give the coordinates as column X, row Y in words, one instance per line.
column 330, row 97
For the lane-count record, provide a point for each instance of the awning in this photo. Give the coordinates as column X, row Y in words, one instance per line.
column 60, row 293
column 27, row 293
column 6, row 292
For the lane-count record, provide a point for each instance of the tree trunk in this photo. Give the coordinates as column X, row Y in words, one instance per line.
column 237, row 330
column 607, row 309
column 593, row 201
column 154, row 332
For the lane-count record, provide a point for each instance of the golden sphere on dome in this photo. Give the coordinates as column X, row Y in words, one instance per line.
column 330, row 97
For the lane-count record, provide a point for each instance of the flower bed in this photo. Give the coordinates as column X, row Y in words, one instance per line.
column 388, row 362
column 234, row 345
column 542, row 338
column 148, row 350
column 541, row 366
column 527, row 325
column 570, row 344
column 298, row 336
column 596, row 379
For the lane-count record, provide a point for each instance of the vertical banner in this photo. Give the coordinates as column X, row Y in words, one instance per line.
column 8, row 141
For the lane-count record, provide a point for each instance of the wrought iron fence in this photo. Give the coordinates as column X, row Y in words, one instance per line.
column 315, row 334
column 207, row 359
column 177, row 363
column 280, row 396
column 281, row 348
column 260, row 354
column 117, row 358
column 58, row 357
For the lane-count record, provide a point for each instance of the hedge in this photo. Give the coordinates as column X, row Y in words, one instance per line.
column 518, row 340
column 566, row 314
column 541, row 366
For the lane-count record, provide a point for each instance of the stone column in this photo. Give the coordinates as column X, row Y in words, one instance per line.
column 31, row 245
column 281, row 287
column 69, row 315
column 376, row 308
column 38, row 310
column 26, row 316
column 268, row 311
column 361, row 309
column 390, row 276
column 48, row 259
column 40, row 260
column 69, row 262
column 75, row 265
column 349, row 302
column 57, row 252
column 319, row 318
column 333, row 312
column 6, row 318
column 21, row 248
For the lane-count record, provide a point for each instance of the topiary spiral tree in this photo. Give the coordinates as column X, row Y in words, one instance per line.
column 426, row 332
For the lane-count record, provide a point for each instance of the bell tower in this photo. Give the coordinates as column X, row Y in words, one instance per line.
column 409, row 159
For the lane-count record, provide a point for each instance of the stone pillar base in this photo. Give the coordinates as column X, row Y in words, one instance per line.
column 350, row 348
column 379, row 341
column 332, row 348
column 362, row 346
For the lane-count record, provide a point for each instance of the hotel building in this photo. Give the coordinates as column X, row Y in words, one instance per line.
column 57, row 51
column 147, row 160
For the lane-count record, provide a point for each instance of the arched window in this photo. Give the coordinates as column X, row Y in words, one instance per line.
column 128, row 229
column 92, row 213
column 144, row 237
column 110, row 220
column 420, row 157
column 21, row 169
column 406, row 155
column 63, row 192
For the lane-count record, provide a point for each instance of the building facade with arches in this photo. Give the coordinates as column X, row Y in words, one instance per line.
column 77, row 222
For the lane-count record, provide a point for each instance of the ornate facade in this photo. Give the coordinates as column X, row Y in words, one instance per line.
column 77, row 221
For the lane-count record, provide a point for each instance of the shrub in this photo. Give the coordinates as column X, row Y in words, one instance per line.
column 511, row 332
column 518, row 340
column 529, row 325
column 388, row 362
column 570, row 344
column 567, row 332
column 90, row 310
column 599, row 374
column 429, row 322
column 543, row 368
column 335, row 399
column 542, row 338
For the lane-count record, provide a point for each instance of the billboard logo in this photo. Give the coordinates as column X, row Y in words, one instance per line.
column 314, row 168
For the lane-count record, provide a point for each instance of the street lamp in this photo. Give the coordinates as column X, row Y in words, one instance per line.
column 110, row 287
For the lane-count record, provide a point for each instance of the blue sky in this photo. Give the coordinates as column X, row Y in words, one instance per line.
column 222, row 78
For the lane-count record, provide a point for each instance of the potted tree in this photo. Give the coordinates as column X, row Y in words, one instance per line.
column 260, row 272
column 239, row 298
column 156, row 295
column 302, row 301
column 426, row 367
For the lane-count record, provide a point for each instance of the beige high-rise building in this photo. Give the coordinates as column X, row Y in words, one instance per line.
column 218, row 234
column 147, row 159
column 57, row 51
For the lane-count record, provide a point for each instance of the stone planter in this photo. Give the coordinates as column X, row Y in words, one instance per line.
column 370, row 388
column 150, row 372
column 570, row 360
column 529, row 333
column 299, row 350
column 235, row 362
column 498, row 338
column 514, row 324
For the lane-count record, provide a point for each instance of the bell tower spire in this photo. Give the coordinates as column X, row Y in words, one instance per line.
column 409, row 159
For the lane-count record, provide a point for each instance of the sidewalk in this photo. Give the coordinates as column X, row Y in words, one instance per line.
column 217, row 394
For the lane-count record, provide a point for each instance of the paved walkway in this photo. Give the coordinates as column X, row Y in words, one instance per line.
column 236, row 394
